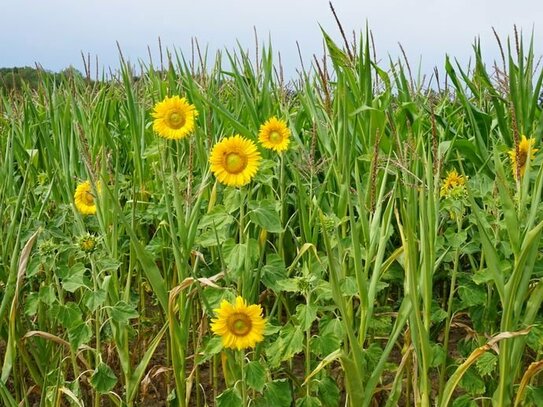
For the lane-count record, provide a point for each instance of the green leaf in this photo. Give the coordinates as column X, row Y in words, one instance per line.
column 438, row 355
column 47, row 294
column 68, row 314
column 122, row 313
column 472, row 296
column 103, row 378
column 79, row 335
column 75, row 280
column 94, row 299
column 256, row 375
column 291, row 285
column 472, row 383
column 535, row 395
column 229, row 398
column 308, row 401
column 218, row 218
column 464, row 401
column 32, row 301
column 265, row 214
column 486, row 363
column 306, row 314
column 212, row 347
column 276, row 394
column 273, row 271
column 323, row 345
column 328, row 392
column 287, row 345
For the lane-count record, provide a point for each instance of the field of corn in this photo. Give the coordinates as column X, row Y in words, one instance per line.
column 191, row 233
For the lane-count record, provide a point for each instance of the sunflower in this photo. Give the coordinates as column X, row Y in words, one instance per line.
column 174, row 118
column 453, row 185
column 239, row 325
column 84, row 198
column 234, row 161
column 526, row 152
column 274, row 134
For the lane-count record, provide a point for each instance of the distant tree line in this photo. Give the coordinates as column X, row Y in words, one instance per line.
column 17, row 78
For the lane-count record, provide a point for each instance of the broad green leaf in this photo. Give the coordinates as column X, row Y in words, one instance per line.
column 212, row 347
column 273, row 271
column 265, row 214
column 306, row 314
column 255, row 375
column 276, row 394
column 486, row 363
column 328, row 392
column 229, row 398
column 308, row 401
column 79, row 335
column 75, row 280
column 122, row 312
column 103, row 378
column 69, row 314
column 95, row 299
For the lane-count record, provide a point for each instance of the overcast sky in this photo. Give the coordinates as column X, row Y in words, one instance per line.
column 55, row 32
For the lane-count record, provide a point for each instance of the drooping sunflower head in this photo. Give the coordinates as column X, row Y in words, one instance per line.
column 84, row 198
column 526, row 152
column 239, row 325
column 174, row 118
column 454, row 185
column 234, row 161
column 274, row 134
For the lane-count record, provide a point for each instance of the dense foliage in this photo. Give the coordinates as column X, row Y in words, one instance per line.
column 394, row 246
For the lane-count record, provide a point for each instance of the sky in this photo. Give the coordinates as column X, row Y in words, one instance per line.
column 54, row 33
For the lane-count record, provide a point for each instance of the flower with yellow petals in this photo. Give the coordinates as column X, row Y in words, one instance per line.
column 174, row 118
column 453, row 185
column 239, row 325
column 526, row 152
column 234, row 161
column 274, row 134
column 84, row 198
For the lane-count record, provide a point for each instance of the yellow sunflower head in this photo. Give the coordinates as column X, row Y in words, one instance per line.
column 526, row 152
column 239, row 325
column 174, row 118
column 454, row 185
column 274, row 134
column 234, row 161
column 84, row 198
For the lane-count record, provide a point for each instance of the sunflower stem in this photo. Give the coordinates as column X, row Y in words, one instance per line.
column 243, row 380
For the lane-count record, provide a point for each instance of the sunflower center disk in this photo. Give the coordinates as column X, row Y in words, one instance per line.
column 235, row 163
column 275, row 137
column 239, row 324
column 176, row 120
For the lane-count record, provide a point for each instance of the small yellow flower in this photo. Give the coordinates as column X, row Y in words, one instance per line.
column 174, row 118
column 84, row 198
column 274, row 134
column 234, row 161
column 526, row 152
column 453, row 185
column 239, row 325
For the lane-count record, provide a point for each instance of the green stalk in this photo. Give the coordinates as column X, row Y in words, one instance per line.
column 448, row 320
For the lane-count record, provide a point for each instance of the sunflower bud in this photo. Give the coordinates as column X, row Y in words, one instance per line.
column 87, row 243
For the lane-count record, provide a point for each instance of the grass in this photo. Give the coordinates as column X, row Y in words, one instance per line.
column 378, row 288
